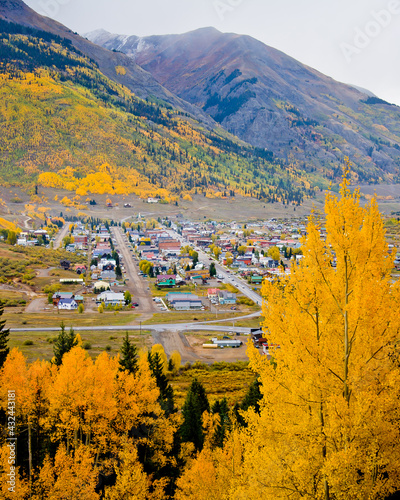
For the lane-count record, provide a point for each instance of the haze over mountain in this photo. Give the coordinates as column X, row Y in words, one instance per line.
column 271, row 100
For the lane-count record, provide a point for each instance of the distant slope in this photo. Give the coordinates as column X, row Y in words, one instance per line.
column 134, row 77
column 64, row 124
column 272, row 101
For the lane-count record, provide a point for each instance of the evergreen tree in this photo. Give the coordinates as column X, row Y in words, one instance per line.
column 221, row 407
column 129, row 356
column 4, row 335
column 64, row 343
column 195, row 405
column 166, row 392
column 213, row 271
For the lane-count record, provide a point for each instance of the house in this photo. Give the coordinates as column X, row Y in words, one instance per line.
column 187, row 305
column 108, row 275
column 171, row 296
column 212, row 293
column 61, row 296
column 112, row 298
column 67, row 304
column 184, row 301
column 226, row 297
column 256, row 279
column 169, row 246
column 166, row 280
column 80, row 268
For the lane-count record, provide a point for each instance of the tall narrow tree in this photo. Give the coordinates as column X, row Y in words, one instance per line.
column 129, row 356
column 4, row 336
column 63, row 343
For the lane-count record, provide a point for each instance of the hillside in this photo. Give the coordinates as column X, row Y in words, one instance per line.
column 272, row 101
column 140, row 82
column 64, row 124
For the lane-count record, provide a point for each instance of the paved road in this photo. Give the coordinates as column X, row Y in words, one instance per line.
column 135, row 284
column 179, row 327
column 236, row 281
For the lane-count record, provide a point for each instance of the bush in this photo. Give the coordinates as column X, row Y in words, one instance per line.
column 87, row 345
column 28, row 342
column 108, row 348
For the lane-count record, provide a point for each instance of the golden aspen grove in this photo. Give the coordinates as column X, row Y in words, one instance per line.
column 327, row 425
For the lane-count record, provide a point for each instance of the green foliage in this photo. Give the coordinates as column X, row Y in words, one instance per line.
column 166, row 392
column 63, row 343
column 196, row 404
column 129, row 355
column 4, row 337
column 213, row 271
column 128, row 297
column 221, row 408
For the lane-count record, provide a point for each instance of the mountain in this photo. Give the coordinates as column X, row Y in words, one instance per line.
column 133, row 76
column 65, row 124
column 272, row 101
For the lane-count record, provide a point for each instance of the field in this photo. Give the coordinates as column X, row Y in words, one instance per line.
column 220, row 380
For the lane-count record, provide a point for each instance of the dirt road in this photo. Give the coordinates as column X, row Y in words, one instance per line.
column 60, row 235
column 136, row 285
column 191, row 348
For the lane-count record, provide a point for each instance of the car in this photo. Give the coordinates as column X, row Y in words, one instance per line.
column 135, row 304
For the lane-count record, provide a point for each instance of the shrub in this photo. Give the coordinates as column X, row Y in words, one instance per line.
column 28, row 342
column 108, row 348
column 87, row 345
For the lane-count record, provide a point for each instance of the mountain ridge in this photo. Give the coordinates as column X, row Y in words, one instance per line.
column 271, row 100
column 135, row 78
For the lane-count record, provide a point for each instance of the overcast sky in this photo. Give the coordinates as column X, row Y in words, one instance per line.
column 354, row 41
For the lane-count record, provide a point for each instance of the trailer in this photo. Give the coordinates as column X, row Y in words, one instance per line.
column 210, row 346
column 227, row 343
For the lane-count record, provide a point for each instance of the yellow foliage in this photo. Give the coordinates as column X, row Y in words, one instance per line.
column 5, row 224
column 120, row 70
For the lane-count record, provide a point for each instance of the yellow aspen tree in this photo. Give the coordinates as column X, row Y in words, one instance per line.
column 68, row 396
column 101, row 407
column 329, row 421
column 132, row 482
column 212, row 473
column 12, row 485
column 68, row 477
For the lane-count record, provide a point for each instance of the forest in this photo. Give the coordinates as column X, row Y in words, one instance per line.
column 320, row 421
column 64, row 124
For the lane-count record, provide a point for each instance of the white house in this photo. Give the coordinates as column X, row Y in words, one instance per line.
column 67, row 304
column 113, row 298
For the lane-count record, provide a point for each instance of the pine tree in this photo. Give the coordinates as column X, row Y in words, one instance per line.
column 64, row 343
column 221, row 408
column 166, row 392
column 195, row 405
column 213, row 271
column 129, row 356
column 4, row 336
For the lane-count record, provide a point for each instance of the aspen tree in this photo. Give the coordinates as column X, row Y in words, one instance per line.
column 329, row 418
